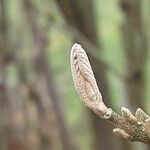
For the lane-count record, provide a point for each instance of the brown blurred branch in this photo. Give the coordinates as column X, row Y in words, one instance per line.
column 136, row 50
column 42, row 69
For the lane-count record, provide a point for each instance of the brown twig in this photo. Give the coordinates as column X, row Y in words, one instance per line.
column 132, row 127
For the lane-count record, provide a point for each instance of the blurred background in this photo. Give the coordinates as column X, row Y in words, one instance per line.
column 39, row 107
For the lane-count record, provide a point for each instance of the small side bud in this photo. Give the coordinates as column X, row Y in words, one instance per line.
column 108, row 114
column 141, row 115
column 121, row 133
column 127, row 115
